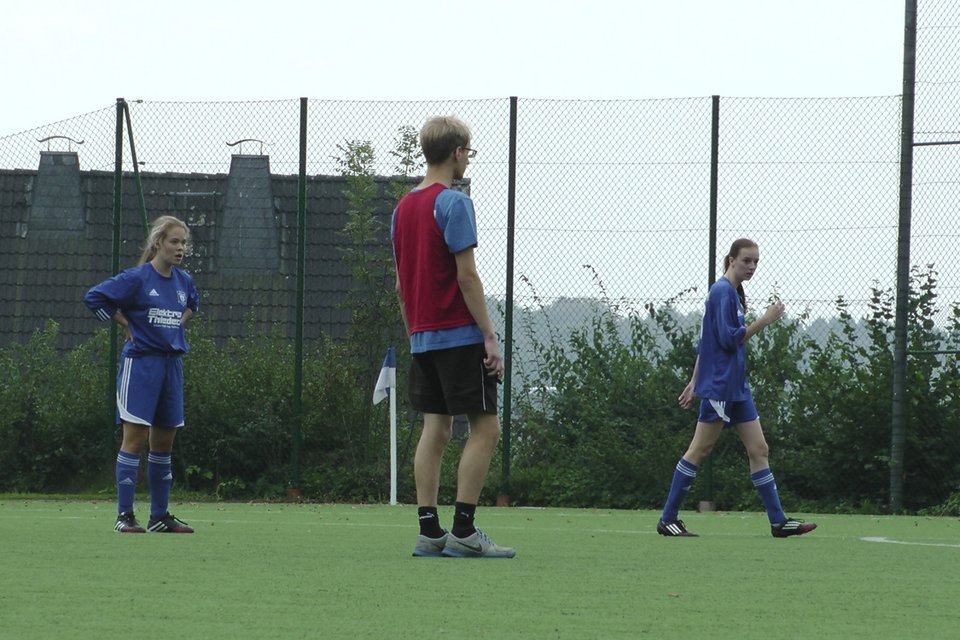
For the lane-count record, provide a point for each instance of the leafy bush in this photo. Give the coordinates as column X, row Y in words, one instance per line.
column 599, row 426
column 595, row 421
column 54, row 428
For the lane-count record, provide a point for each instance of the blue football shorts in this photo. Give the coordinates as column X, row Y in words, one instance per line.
column 730, row 411
column 150, row 391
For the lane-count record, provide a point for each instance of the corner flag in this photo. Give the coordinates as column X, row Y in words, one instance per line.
column 388, row 377
column 386, row 383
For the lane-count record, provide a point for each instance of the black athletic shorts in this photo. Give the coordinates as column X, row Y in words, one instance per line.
column 452, row 382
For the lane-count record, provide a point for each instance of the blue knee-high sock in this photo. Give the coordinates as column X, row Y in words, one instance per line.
column 160, row 475
column 127, row 466
column 683, row 478
column 767, row 488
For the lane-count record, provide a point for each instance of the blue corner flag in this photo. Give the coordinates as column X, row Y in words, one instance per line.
column 388, row 377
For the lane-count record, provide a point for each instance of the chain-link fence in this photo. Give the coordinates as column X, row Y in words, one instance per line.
column 613, row 202
column 933, row 236
column 625, row 189
column 936, row 164
column 613, row 193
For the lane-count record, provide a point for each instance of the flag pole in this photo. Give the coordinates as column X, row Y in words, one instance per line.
column 386, row 387
column 393, row 446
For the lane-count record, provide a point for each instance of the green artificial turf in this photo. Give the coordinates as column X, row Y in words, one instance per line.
column 342, row 571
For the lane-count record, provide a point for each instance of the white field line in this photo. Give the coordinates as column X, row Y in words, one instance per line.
column 915, row 544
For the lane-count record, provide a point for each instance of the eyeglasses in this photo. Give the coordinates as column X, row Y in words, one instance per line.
column 471, row 153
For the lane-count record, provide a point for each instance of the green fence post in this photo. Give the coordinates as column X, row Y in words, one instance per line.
column 136, row 170
column 115, row 268
column 898, row 420
column 504, row 498
column 707, row 504
column 295, row 490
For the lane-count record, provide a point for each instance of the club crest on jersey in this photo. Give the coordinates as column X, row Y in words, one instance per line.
column 182, row 297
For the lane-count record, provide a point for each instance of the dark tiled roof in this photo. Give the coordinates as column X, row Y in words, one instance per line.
column 243, row 233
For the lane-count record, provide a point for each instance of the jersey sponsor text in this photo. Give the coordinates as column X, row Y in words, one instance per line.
column 164, row 317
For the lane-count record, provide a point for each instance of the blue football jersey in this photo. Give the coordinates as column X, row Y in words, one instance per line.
column 152, row 304
column 722, row 368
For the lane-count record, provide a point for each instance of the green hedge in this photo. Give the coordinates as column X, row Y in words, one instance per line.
column 600, row 426
column 52, row 415
column 595, row 421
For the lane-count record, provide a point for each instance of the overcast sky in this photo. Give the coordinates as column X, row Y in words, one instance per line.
column 63, row 58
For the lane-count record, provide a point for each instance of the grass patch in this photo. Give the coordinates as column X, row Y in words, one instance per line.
column 342, row 571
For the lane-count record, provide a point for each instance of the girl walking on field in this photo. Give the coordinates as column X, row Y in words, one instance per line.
column 720, row 380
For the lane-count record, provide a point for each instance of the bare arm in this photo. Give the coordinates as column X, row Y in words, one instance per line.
column 472, row 289
column 773, row 313
column 687, row 396
column 403, row 310
column 121, row 320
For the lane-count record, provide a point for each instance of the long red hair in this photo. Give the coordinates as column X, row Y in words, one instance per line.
column 735, row 249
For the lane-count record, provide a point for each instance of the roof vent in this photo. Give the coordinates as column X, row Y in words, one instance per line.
column 249, row 236
column 56, row 209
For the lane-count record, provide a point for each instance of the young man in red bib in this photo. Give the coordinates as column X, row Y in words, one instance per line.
column 456, row 361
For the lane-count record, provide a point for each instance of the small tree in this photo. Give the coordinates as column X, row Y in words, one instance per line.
column 375, row 321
